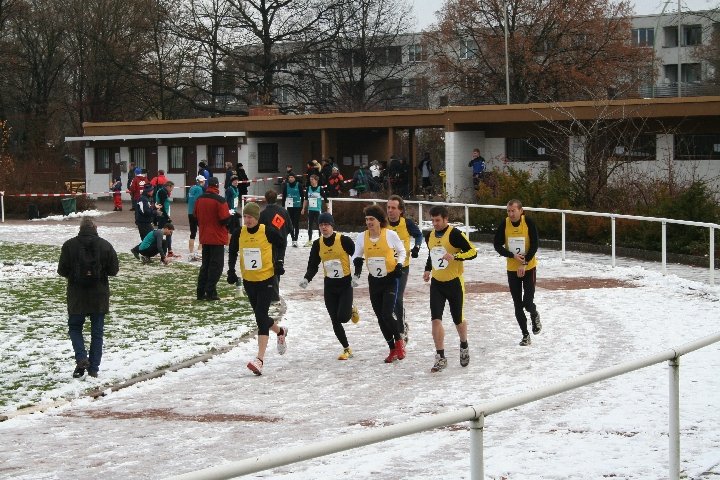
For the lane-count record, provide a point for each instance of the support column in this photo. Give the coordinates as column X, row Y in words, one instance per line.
column 458, row 152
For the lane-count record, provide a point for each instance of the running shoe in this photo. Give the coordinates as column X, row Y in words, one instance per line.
column 536, row 324
column 281, row 345
column 526, row 340
column 256, row 366
column 440, row 364
column 346, row 353
column 355, row 314
column 464, row 357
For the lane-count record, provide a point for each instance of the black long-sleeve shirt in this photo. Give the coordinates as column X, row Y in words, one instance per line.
column 314, row 260
column 456, row 239
column 499, row 241
column 272, row 235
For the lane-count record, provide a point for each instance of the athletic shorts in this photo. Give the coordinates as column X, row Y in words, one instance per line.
column 452, row 292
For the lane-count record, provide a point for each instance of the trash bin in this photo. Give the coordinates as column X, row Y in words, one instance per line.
column 33, row 211
column 69, row 205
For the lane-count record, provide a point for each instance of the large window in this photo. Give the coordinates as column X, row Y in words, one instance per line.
column 267, row 157
column 467, row 49
column 177, row 159
column 418, row 87
column 216, row 158
column 138, row 155
column 691, row 72
column 643, row 37
column 103, row 159
column 526, row 149
column 670, row 35
column 416, row 53
column 642, row 147
column 697, row 147
column 692, row 35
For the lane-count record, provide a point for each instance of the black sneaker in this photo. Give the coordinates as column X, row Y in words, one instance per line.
column 213, row 296
column 93, row 374
column 526, row 340
column 536, row 324
column 80, row 367
column 136, row 252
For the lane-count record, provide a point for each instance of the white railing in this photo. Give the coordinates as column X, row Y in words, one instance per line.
column 476, row 416
column 563, row 213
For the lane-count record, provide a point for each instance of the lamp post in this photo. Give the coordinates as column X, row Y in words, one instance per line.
column 507, row 61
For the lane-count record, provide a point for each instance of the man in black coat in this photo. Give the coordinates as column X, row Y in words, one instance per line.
column 86, row 261
column 277, row 217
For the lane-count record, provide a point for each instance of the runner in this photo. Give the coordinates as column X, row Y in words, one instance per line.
column 449, row 248
column 385, row 253
column 333, row 250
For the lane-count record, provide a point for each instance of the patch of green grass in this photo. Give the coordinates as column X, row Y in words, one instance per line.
column 153, row 312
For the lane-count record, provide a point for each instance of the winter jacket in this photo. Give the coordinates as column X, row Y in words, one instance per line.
column 144, row 211
column 95, row 298
column 279, row 218
column 213, row 216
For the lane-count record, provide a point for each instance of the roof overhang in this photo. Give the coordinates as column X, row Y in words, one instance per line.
column 154, row 136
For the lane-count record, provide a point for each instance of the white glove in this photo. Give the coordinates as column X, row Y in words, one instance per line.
column 304, row 283
column 355, row 282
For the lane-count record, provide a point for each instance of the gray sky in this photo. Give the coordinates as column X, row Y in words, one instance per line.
column 424, row 9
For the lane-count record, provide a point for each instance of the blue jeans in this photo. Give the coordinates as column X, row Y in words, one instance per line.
column 75, row 324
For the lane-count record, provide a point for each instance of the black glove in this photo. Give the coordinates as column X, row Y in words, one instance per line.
column 232, row 277
column 279, row 268
column 397, row 273
column 358, row 264
column 415, row 251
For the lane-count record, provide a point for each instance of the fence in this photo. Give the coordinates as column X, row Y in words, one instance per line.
column 476, row 416
column 563, row 214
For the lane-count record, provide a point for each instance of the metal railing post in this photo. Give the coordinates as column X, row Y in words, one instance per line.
column 420, row 217
column 664, row 247
column 477, row 462
column 562, row 234
column 612, row 230
column 674, row 420
column 2, row 205
column 467, row 220
column 330, row 206
column 712, row 255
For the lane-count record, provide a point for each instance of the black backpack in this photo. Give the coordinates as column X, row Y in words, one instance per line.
column 88, row 268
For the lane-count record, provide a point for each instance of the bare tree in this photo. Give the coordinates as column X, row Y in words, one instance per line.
column 363, row 69
column 557, row 50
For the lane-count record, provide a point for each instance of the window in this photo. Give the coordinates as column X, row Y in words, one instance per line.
column 471, row 83
column 138, row 155
column 389, row 88
column 282, row 95
column 267, row 157
column 323, row 90
column 526, row 149
column 697, row 147
column 216, row 160
column 641, row 147
column 394, row 55
column 418, row 87
column 643, row 37
column 104, row 158
column 692, row 35
column 177, row 159
column 416, row 53
column 691, row 72
column 671, row 37
column 322, row 59
column 467, row 49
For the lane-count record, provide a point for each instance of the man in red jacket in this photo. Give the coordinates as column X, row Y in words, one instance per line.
column 213, row 215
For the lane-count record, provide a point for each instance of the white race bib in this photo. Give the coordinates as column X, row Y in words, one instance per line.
column 436, row 258
column 377, row 267
column 235, row 203
column 516, row 245
column 312, row 202
column 252, row 259
column 289, row 203
column 333, row 268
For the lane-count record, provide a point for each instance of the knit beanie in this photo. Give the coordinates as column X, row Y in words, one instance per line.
column 326, row 217
column 252, row 209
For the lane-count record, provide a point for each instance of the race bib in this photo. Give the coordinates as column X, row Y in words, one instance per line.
column 235, row 203
column 313, row 202
column 289, row 202
column 436, row 258
column 252, row 259
column 333, row 268
column 376, row 266
column 516, row 245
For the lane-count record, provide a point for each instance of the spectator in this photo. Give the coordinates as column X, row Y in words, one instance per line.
column 194, row 193
column 161, row 179
column 88, row 292
column 233, row 200
column 325, row 172
column 162, row 205
column 155, row 243
column 204, row 171
column 362, row 179
column 135, row 188
column 293, row 193
column 145, row 211
column 229, row 172
column 243, row 181
column 334, row 183
column 278, row 218
column 116, row 188
column 212, row 216
column 314, row 196
column 313, row 168
column 426, row 173
column 478, row 167
column 130, row 176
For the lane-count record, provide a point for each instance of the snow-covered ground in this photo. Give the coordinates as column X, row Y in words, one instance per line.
column 218, row 411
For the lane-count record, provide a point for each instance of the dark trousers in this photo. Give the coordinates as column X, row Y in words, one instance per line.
column 383, row 294
column 313, row 216
column 75, row 330
column 210, row 270
column 259, row 294
column 161, row 221
column 522, row 301
column 144, row 229
column 399, row 305
column 152, row 250
column 295, row 218
column 338, row 301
